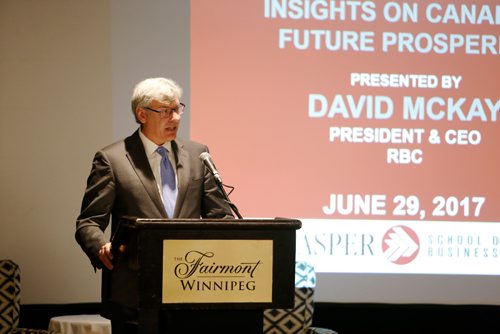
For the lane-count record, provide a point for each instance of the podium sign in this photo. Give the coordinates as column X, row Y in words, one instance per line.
column 217, row 271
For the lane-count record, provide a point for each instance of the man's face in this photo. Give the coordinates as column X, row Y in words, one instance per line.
column 160, row 120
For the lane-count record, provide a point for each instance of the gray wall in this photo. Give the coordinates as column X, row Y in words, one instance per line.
column 67, row 70
column 149, row 39
column 55, row 93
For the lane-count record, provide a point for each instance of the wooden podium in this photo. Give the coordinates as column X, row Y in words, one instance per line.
column 193, row 275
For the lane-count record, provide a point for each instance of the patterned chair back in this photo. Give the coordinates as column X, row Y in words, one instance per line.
column 10, row 296
column 298, row 319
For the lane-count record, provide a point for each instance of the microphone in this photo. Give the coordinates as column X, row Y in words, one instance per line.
column 208, row 162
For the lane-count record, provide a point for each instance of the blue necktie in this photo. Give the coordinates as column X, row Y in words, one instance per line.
column 169, row 189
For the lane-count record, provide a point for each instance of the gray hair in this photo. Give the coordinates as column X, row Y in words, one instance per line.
column 160, row 89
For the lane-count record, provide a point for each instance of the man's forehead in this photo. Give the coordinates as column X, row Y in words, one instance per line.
column 165, row 102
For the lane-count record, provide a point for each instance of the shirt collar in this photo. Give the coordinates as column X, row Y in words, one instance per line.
column 151, row 147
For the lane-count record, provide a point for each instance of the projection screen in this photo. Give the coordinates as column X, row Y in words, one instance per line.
column 374, row 123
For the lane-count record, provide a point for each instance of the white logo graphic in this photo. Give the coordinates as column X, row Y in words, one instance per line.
column 400, row 244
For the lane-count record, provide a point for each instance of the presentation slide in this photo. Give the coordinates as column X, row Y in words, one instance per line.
column 373, row 122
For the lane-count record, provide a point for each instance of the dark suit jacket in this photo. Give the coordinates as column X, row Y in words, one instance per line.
column 121, row 183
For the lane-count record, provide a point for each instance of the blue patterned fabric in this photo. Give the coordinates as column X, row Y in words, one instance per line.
column 305, row 276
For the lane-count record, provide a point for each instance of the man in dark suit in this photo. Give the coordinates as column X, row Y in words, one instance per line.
column 126, row 176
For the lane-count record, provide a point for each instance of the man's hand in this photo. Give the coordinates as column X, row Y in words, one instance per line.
column 106, row 256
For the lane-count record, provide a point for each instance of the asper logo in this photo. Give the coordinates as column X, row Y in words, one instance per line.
column 400, row 244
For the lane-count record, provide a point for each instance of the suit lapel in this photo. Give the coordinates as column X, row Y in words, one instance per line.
column 139, row 161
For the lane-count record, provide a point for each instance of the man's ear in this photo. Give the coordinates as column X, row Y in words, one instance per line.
column 140, row 114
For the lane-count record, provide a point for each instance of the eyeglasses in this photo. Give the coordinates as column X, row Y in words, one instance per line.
column 169, row 111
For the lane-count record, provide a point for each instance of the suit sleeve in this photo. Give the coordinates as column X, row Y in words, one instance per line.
column 97, row 205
